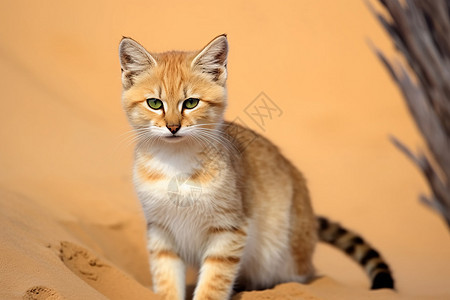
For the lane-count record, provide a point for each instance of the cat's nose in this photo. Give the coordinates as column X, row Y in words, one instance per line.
column 173, row 128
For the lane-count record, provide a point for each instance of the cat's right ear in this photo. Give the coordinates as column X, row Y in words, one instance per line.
column 134, row 60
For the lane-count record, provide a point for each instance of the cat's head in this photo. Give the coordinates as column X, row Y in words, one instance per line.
column 174, row 97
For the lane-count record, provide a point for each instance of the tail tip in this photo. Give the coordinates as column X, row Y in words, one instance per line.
column 383, row 280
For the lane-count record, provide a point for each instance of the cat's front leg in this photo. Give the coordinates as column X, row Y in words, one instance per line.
column 167, row 268
column 221, row 263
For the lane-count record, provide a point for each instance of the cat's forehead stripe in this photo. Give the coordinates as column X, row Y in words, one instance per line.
column 173, row 71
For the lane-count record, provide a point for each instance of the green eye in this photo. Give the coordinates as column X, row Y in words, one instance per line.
column 154, row 103
column 190, row 103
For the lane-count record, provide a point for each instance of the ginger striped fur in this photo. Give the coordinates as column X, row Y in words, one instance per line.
column 238, row 211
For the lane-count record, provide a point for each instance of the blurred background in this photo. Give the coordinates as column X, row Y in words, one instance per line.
column 65, row 139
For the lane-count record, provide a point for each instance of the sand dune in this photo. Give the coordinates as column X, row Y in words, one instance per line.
column 71, row 224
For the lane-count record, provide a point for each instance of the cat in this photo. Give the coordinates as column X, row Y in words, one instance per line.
column 239, row 211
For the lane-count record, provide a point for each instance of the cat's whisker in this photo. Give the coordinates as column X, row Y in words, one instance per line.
column 151, row 140
column 219, row 131
column 205, row 124
column 127, row 135
column 215, row 141
column 135, row 138
column 128, row 138
column 202, row 142
column 213, row 136
column 221, row 140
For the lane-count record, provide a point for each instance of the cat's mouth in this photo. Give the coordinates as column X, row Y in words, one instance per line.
column 173, row 138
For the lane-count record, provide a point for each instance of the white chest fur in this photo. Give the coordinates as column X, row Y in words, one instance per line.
column 187, row 208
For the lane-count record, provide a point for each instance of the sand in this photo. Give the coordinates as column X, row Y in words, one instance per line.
column 71, row 227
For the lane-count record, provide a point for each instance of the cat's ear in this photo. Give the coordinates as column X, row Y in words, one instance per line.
column 212, row 59
column 134, row 59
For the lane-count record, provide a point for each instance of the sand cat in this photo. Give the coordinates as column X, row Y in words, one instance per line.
column 239, row 211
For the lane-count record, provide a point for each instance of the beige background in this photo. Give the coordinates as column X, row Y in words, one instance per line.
column 65, row 156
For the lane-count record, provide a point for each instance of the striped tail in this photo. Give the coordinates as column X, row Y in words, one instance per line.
column 359, row 250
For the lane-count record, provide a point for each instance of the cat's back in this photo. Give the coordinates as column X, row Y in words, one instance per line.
column 258, row 155
column 269, row 177
column 279, row 209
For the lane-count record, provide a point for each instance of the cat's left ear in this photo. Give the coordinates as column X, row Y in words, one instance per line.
column 212, row 60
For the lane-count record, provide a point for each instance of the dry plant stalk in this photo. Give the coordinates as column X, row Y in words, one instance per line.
column 420, row 30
